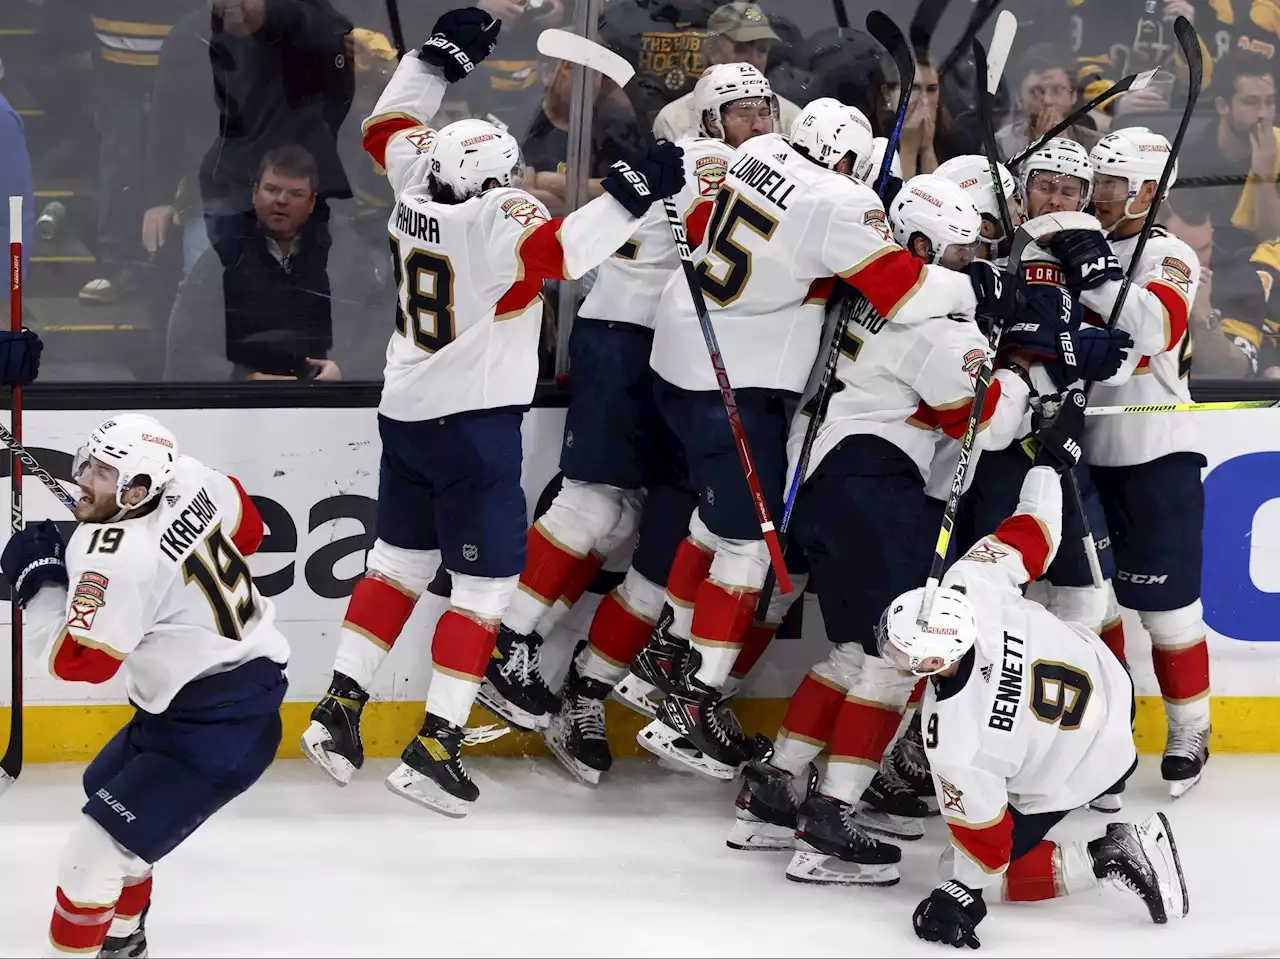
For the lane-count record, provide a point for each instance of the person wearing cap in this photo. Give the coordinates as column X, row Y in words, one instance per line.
column 737, row 32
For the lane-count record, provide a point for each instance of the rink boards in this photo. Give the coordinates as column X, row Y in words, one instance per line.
column 314, row 474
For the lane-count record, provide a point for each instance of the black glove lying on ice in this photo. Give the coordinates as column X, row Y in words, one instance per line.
column 950, row 915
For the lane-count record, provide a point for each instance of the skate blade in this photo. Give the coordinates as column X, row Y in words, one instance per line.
column 1107, row 804
column 931, row 804
column 338, row 767
column 661, row 740
column 412, row 785
column 1158, row 843
column 817, row 868
column 637, row 695
column 909, row 828
column 513, row 715
column 576, row 768
column 755, row 835
column 1180, row 787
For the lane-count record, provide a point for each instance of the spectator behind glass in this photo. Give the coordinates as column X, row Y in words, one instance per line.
column 916, row 146
column 852, row 67
column 1045, row 97
column 129, row 35
column 236, row 79
column 15, row 179
column 266, row 316
column 1237, row 155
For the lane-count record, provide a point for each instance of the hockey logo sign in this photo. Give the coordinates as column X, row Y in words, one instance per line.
column 90, row 595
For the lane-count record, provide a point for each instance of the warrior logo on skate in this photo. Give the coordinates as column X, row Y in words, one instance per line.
column 952, row 798
column 523, row 211
column 90, row 595
column 469, row 552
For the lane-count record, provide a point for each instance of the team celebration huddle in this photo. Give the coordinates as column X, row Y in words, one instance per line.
column 794, row 371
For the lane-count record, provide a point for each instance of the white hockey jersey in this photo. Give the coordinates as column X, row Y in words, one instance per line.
column 469, row 275
column 1155, row 314
column 782, row 227
column 910, row 378
column 629, row 284
column 1038, row 716
column 167, row 594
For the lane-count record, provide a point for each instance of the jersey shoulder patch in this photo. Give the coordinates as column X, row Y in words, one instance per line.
column 519, row 207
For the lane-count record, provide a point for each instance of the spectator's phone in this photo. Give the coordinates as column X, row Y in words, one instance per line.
column 307, row 371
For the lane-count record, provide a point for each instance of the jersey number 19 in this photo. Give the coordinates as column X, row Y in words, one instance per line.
column 220, row 577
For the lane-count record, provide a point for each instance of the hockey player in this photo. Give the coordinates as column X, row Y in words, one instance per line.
column 153, row 582
column 861, row 518
column 470, row 252
column 1026, row 717
column 972, row 173
column 1148, row 474
column 615, row 444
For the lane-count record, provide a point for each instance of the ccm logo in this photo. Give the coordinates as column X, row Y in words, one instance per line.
column 1142, row 579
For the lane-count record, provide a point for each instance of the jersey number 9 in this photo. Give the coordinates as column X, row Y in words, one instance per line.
column 730, row 212
column 428, row 297
column 1059, row 693
column 220, row 579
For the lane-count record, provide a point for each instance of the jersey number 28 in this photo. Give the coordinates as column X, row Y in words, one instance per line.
column 222, row 577
column 428, row 297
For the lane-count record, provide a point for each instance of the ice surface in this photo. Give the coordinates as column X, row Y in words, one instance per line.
column 543, row 866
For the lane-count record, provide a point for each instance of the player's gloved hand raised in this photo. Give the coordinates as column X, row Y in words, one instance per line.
column 1086, row 258
column 34, row 555
column 651, row 173
column 1058, row 427
column 19, row 357
column 997, row 296
column 460, row 39
column 950, row 915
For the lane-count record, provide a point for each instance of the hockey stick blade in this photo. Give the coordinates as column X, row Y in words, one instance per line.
column 981, row 14
column 986, row 119
column 925, row 22
column 563, row 45
column 1001, row 43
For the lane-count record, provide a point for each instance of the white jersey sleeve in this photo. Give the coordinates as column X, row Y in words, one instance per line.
column 396, row 133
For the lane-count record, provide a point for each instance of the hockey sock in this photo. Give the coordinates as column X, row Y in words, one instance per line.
column 133, row 899
column 811, row 714
column 721, row 616
column 1049, row 870
column 549, row 566
column 582, row 577
column 1180, row 657
column 460, row 651
column 77, row 929
column 689, row 570
column 755, row 640
column 618, row 632
column 863, row 731
column 376, row 614
column 1113, row 635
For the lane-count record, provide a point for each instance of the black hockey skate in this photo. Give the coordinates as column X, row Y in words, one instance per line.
column 910, row 763
column 513, row 687
column 576, row 735
column 1144, row 858
column 891, row 807
column 767, row 805
column 332, row 741
column 1185, row 753
column 664, row 660
column 431, row 771
column 694, row 729
column 128, row 947
column 832, row 849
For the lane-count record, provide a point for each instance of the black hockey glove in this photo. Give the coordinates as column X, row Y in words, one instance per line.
column 950, row 915
column 1096, row 354
column 460, row 39
column 1058, row 427
column 998, row 297
column 651, row 173
column 19, row 357
column 1086, row 258
column 34, row 556
column 1042, row 327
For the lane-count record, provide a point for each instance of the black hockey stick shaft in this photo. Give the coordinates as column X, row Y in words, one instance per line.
column 887, row 34
column 982, row 12
column 32, row 466
column 986, row 118
column 11, row 763
column 397, row 31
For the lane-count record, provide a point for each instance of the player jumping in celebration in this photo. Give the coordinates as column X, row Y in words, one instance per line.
column 153, row 580
column 1148, row 473
column 1026, row 717
column 470, row 252
column 614, row 446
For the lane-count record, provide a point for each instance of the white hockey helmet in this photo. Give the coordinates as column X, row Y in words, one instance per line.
column 871, row 169
column 972, row 173
column 826, row 131
column 467, row 153
column 937, row 208
column 949, row 634
column 1063, row 156
column 1136, row 155
column 722, row 84
column 139, row 447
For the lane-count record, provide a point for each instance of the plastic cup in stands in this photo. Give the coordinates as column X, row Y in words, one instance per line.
column 1162, row 83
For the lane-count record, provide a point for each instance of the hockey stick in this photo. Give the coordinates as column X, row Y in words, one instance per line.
column 887, row 34
column 33, row 467
column 989, row 73
column 1222, row 407
column 397, row 32
column 11, row 763
column 568, row 46
column 1133, row 82
column 982, row 12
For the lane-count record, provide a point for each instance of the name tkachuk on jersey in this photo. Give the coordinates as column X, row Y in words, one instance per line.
column 1037, row 715
column 169, row 589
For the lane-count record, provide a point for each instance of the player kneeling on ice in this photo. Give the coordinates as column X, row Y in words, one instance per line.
column 470, row 251
column 154, row 580
column 1026, row 717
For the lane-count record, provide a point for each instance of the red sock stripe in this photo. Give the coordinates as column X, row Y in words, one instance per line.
column 864, row 730
column 917, row 693
column 721, row 615
column 379, row 610
column 1030, row 878
column 77, row 927
column 812, row 712
column 688, row 571
column 582, row 576
column 462, row 645
column 988, row 844
column 548, row 566
column 754, row 642
column 617, row 633
column 1182, row 673
column 134, row 898
column 1113, row 636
